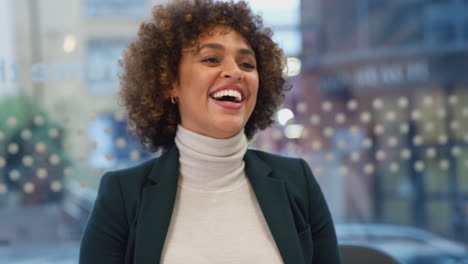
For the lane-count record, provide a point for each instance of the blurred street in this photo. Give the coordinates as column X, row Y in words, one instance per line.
column 40, row 253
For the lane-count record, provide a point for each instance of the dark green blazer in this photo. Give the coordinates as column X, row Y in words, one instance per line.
column 133, row 209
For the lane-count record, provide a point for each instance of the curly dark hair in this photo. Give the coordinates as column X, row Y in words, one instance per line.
column 150, row 65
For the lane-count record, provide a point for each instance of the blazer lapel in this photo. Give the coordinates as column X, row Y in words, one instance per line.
column 158, row 199
column 273, row 200
column 156, row 206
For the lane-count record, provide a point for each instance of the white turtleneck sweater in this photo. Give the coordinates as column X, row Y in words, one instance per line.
column 216, row 217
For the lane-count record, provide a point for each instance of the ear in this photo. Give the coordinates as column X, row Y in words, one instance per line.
column 174, row 90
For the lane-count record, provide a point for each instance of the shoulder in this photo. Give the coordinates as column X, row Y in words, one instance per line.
column 278, row 162
column 120, row 189
column 294, row 171
column 133, row 173
column 127, row 182
column 301, row 185
column 274, row 158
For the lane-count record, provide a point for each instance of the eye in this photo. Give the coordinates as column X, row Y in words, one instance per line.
column 248, row 65
column 210, row 60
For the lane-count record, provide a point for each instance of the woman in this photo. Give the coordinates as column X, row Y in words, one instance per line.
column 198, row 82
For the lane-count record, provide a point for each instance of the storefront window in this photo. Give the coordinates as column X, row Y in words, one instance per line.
column 115, row 8
column 378, row 109
column 103, row 68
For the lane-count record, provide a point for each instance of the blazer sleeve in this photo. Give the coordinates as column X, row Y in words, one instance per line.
column 325, row 245
column 106, row 233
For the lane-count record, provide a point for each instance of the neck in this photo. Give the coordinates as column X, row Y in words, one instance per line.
column 210, row 164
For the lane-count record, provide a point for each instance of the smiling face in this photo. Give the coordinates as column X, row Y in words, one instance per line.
column 217, row 86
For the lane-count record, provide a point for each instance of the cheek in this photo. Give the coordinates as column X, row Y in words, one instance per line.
column 201, row 82
column 253, row 84
column 252, row 80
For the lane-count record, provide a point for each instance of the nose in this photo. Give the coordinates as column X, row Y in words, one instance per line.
column 232, row 71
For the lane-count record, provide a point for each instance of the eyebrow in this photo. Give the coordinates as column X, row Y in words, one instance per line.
column 220, row 47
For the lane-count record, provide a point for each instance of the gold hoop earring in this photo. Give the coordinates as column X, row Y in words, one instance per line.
column 173, row 100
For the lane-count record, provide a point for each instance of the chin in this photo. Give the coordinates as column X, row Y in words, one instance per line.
column 229, row 128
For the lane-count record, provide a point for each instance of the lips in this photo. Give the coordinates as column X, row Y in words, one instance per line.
column 227, row 97
column 228, row 105
column 231, row 93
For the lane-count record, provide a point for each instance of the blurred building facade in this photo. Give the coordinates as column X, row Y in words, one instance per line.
column 379, row 107
column 397, row 69
column 7, row 51
column 68, row 53
column 63, row 56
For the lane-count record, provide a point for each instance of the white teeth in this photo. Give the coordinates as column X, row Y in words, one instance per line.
column 232, row 93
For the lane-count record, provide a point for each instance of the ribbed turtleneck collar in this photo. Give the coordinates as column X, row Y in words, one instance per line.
column 210, row 164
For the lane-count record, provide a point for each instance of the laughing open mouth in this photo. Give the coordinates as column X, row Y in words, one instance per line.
column 227, row 95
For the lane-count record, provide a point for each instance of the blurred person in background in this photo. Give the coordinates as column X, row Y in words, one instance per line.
column 200, row 79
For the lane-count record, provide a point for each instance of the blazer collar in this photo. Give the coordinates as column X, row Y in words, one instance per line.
column 273, row 199
column 157, row 204
column 155, row 209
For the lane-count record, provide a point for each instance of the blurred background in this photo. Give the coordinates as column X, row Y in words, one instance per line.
column 379, row 110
